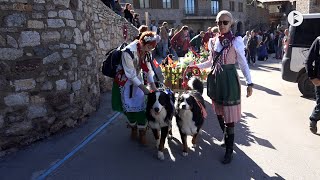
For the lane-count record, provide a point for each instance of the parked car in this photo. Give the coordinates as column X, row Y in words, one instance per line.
column 293, row 61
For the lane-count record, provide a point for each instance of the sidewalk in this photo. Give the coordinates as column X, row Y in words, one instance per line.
column 30, row 162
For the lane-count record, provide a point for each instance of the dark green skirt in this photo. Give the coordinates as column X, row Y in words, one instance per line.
column 224, row 87
column 116, row 98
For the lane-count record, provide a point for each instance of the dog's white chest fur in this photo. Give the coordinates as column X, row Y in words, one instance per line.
column 159, row 119
column 160, row 116
column 188, row 126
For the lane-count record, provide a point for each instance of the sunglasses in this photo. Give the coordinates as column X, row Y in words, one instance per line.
column 222, row 22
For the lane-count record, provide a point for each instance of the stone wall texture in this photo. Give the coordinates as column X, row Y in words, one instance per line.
column 51, row 53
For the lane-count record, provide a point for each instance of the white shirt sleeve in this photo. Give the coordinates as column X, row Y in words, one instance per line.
column 206, row 64
column 150, row 72
column 241, row 58
column 129, row 69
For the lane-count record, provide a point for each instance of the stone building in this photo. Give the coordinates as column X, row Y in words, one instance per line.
column 51, row 53
column 197, row 14
column 278, row 11
column 307, row 6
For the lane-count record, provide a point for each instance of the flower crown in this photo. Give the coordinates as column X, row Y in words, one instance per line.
column 149, row 38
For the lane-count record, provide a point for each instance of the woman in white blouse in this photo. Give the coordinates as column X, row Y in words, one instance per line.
column 224, row 87
column 131, row 80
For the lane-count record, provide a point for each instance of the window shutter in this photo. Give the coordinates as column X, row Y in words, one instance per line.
column 159, row 4
column 175, row 4
column 196, row 9
column 136, row 4
column 153, row 4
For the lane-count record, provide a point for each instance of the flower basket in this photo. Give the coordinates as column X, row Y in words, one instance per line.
column 177, row 73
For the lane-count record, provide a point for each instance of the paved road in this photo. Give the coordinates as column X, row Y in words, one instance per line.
column 272, row 142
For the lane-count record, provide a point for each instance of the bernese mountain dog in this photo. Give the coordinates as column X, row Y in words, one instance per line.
column 159, row 112
column 190, row 112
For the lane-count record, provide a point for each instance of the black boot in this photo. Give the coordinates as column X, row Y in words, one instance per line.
column 222, row 126
column 221, row 122
column 229, row 139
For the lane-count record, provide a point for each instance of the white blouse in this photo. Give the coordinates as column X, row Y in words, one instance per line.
column 130, row 65
column 241, row 58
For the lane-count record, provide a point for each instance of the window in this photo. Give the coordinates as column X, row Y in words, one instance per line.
column 144, row 3
column 231, row 5
column 214, row 7
column 240, row 7
column 189, row 6
column 167, row 4
column 305, row 34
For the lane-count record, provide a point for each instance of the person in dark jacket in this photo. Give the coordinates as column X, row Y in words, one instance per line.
column 136, row 20
column 117, row 7
column 108, row 3
column 180, row 42
column 313, row 70
column 252, row 47
column 127, row 12
column 196, row 41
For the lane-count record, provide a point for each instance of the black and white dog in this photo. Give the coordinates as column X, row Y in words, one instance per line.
column 159, row 112
column 190, row 112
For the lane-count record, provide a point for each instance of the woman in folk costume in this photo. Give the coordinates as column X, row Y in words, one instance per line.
column 131, row 79
column 224, row 86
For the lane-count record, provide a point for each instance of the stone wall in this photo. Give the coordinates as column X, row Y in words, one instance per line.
column 303, row 6
column 50, row 58
column 257, row 18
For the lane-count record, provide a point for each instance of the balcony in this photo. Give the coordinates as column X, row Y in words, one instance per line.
column 190, row 13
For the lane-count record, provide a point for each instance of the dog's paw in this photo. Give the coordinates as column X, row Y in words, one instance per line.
column 184, row 154
column 157, row 143
column 160, row 155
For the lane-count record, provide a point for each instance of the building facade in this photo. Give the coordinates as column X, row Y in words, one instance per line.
column 307, row 6
column 197, row 14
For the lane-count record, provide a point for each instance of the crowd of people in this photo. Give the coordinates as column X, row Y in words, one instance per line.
column 259, row 44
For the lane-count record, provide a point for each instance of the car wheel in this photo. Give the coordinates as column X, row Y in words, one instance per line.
column 305, row 86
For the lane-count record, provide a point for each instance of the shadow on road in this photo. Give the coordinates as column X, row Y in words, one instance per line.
column 261, row 88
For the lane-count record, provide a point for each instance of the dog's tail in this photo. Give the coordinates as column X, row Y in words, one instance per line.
column 196, row 84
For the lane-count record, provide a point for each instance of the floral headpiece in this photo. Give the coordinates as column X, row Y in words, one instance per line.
column 149, row 38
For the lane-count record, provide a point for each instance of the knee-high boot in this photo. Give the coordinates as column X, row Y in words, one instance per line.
column 142, row 136
column 222, row 126
column 229, row 139
column 134, row 132
column 221, row 122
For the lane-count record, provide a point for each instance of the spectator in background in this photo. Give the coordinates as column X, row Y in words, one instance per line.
column 252, row 46
column 180, row 42
column 136, row 21
column 141, row 29
column 127, row 14
column 191, row 33
column 164, row 34
column 117, row 7
column 285, row 41
column 108, row 3
column 275, row 44
column 245, row 41
column 196, row 42
column 207, row 36
column 153, row 26
column 215, row 31
column 312, row 66
column 280, row 45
